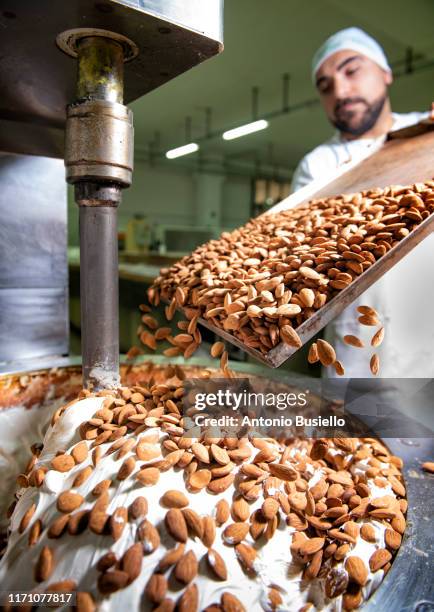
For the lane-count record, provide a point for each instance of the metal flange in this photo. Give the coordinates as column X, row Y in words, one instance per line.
column 99, row 143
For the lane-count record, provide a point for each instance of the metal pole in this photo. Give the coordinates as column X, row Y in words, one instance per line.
column 100, row 70
column 99, row 295
column 98, row 159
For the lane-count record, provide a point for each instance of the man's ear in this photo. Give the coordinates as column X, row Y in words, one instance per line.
column 388, row 77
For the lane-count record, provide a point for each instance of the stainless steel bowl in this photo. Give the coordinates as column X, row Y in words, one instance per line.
column 409, row 585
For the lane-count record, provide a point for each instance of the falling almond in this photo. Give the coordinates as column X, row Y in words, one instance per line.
column 312, row 356
column 367, row 310
column 378, row 337
column 375, row 364
column 353, row 341
column 326, row 353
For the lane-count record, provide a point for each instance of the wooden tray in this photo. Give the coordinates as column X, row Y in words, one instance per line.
column 401, row 161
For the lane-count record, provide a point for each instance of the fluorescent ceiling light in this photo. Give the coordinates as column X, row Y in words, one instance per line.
column 180, row 151
column 243, row 130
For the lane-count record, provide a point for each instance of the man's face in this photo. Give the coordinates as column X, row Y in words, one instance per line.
column 353, row 90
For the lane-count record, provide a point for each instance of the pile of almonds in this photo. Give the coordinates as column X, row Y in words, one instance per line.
column 144, row 429
column 260, row 282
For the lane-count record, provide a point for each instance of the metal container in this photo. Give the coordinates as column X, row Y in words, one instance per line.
column 408, row 587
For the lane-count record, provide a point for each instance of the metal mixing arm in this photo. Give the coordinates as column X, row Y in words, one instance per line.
column 99, row 161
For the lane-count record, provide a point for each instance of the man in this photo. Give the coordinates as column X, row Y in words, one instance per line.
column 352, row 76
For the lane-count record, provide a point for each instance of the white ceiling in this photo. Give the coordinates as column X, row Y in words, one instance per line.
column 263, row 40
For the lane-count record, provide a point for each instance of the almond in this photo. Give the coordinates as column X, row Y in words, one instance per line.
column 353, row 341
column 186, row 568
column 398, row 523
column 170, row 558
column 27, row 518
column 174, row 499
column 378, row 337
column 341, row 477
column 106, row 561
column 290, row 337
column 132, row 561
column 80, row 452
column 369, row 320
column 162, row 333
column 374, row 364
column 200, row 452
column 357, row 570
column 150, row 537
column 216, row 564
column 428, row 466
column 240, row 509
column 209, row 531
column 311, row 546
column 147, row 452
column 156, row 588
column 284, row 472
column 222, row 512
column 126, row 469
column 246, row 555
column 82, row 476
column 37, row 477
column 235, row 532
column 307, row 296
column 298, row 501
column 270, row 507
column 392, row 539
column 138, row 508
column 368, row 533
column 189, row 600
column 339, row 368
column 367, row 310
column 176, row 525
column 174, row 457
column 199, row 479
column 326, row 353
column 379, row 558
column 312, row 356
column 69, row 501
column 112, row 581
column 62, row 463
column 101, row 487
column 336, row 582
column 84, row 602
column 340, row 535
column 117, row 522
column 44, row 564
column 78, row 522
column 148, row 476
column 352, row 599
column 309, row 273
column 194, row 522
column 397, row 486
column 382, row 502
column 319, row 449
column 219, row 454
column 217, row 349
column 230, row 603
column 221, row 484
column 58, row 526
column 312, row 570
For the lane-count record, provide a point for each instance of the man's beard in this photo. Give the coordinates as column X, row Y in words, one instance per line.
column 343, row 118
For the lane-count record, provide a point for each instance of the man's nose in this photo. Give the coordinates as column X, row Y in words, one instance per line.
column 342, row 88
